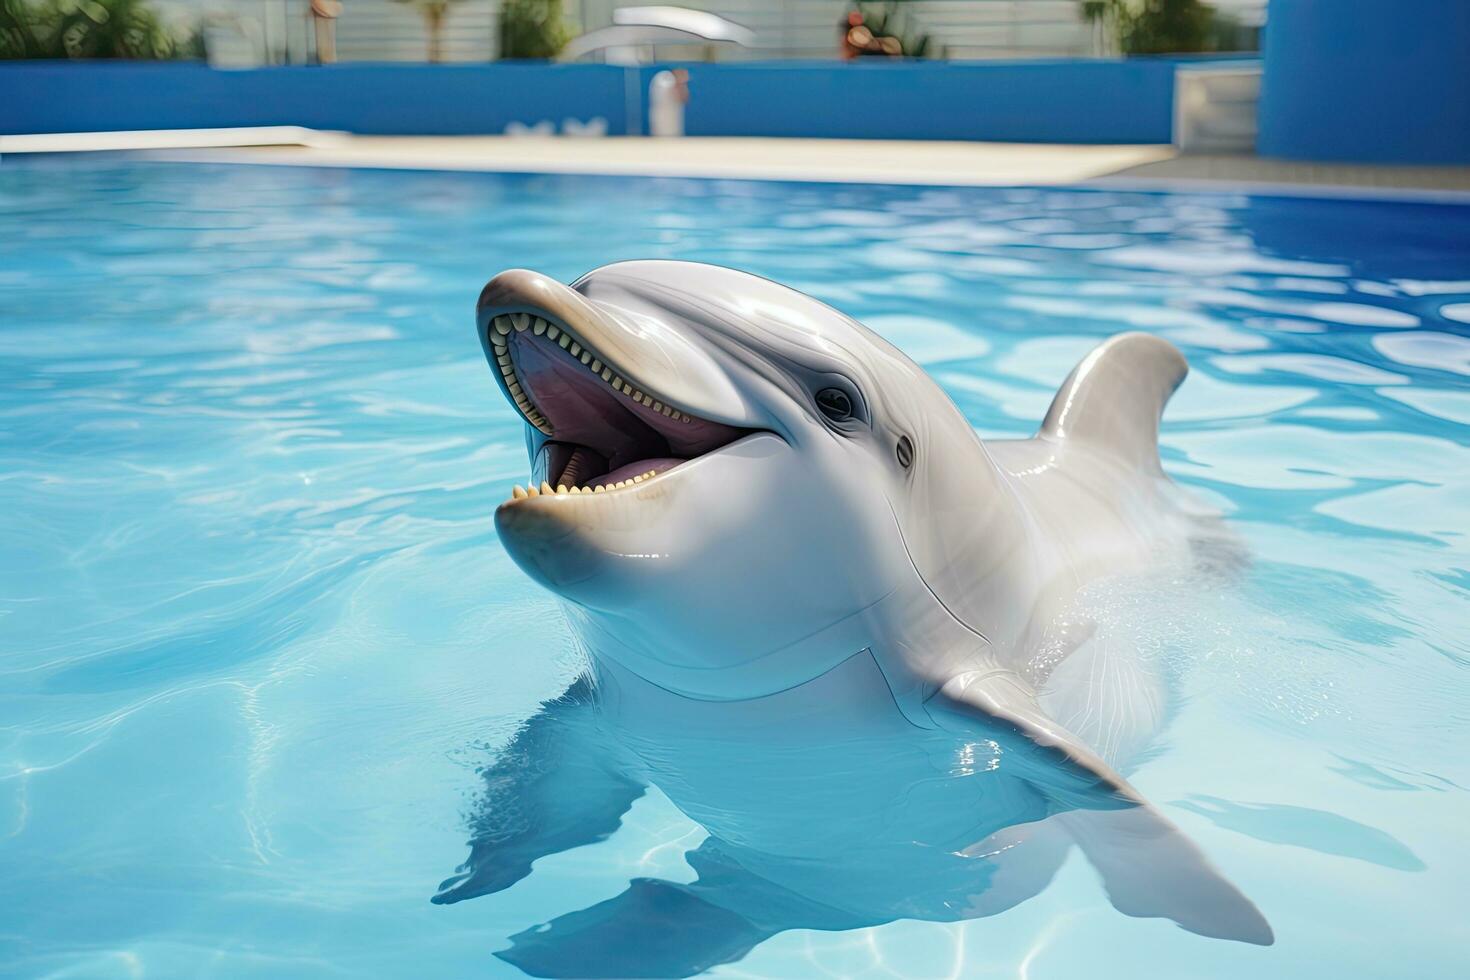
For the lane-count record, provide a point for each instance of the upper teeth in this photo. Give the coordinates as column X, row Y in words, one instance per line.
column 503, row 325
column 499, row 328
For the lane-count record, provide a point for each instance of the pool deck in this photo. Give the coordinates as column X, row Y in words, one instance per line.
column 1206, row 170
column 1150, row 167
column 858, row 161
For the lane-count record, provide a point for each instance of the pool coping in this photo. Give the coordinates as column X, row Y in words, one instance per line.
column 935, row 163
column 1128, row 167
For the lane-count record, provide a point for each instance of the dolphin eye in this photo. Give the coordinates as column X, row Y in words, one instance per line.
column 835, row 404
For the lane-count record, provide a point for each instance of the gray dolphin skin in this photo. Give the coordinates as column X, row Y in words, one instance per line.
column 813, row 602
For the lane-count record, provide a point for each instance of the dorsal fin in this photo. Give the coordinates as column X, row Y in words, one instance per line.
column 1113, row 399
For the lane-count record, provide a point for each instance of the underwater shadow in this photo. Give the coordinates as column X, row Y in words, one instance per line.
column 1314, row 830
column 659, row 928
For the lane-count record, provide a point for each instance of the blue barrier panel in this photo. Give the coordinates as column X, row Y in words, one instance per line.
column 1061, row 101
column 1376, row 81
column 1051, row 101
column 58, row 96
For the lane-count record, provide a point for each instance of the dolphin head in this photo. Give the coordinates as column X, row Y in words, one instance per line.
column 729, row 462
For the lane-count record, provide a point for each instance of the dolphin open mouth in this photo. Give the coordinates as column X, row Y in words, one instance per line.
column 605, row 430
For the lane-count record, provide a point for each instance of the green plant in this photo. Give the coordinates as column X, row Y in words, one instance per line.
column 532, row 29
column 435, row 13
column 90, row 29
column 107, row 29
column 1159, row 26
column 17, row 31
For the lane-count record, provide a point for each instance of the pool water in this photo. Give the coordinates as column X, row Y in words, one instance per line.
column 257, row 634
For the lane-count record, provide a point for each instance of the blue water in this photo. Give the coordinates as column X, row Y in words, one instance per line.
column 257, row 634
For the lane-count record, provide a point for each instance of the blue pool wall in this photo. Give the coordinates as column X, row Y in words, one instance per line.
column 1111, row 101
column 376, row 99
column 1039, row 101
column 1373, row 81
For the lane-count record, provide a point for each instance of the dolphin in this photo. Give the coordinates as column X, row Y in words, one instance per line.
column 812, row 601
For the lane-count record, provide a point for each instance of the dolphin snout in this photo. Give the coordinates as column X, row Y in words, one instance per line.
column 544, row 542
column 581, row 546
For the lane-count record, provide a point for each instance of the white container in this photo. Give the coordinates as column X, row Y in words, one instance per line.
column 667, row 94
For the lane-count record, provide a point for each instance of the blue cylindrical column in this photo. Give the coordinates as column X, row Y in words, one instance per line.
column 1373, row 81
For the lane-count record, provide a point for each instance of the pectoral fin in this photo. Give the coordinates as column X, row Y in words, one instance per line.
column 1148, row 866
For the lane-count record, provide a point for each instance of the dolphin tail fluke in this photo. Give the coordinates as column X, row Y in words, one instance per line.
column 1113, row 399
column 1149, row 867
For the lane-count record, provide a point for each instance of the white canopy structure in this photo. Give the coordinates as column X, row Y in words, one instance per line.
column 637, row 31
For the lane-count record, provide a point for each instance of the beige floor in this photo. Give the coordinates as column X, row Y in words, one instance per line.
column 882, row 161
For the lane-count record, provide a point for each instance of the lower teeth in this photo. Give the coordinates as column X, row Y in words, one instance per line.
column 521, row 493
